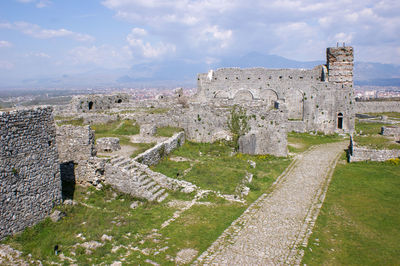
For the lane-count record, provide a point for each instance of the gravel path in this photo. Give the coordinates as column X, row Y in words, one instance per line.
column 275, row 227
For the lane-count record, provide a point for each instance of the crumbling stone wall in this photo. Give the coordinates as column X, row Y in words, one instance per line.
column 377, row 107
column 153, row 155
column 358, row 153
column 30, row 183
column 390, row 131
column 321, row 98
column 76, row 145
column 90, row 103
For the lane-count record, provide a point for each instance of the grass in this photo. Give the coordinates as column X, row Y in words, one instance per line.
column 125, row 127
column 141, row 147
column 359, row 221
column 302, row 141
column 117, row 219
column 167, row 131
column 110, row 214
column 370, row 136
column 388, row 114
column 213, row 166
column 69, row 121
column 153, row 110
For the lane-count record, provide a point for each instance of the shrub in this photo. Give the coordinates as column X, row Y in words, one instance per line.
column 238, row 124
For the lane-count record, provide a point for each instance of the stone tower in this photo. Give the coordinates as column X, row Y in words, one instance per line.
column 340, row 62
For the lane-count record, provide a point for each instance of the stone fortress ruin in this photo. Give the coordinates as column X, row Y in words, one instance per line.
column 35, row 153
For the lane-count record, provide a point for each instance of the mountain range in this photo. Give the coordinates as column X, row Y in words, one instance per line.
column 181, row 72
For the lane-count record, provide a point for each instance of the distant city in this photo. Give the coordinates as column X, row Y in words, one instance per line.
column 376, row 92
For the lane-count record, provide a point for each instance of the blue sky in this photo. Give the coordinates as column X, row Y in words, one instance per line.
column 53, row 38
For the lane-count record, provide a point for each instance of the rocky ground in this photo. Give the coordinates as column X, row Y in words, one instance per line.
column 275, row 228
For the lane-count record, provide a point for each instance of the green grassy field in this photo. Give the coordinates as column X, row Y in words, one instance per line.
column 138, row 232
column 213, row 166
column 359, row 221
column 299, row 142
column 371, row 137
column 167, row 131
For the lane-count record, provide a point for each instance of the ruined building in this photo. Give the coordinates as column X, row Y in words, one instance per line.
column 318, row 99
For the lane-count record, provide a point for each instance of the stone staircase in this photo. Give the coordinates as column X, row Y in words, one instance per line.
column 131, row 177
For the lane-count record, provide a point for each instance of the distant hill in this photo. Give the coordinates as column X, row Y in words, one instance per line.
column 183, row 72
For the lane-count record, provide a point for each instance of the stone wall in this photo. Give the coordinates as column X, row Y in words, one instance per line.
column 357, row 153
column 377, row 107
column 76, row 145
column 321, row 104
column 153, row 155
column 390, row 131
column 90, row 103
column 30, row 183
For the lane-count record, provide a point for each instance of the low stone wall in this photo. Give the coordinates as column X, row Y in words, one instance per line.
column 108, row 144
column 154, row 155
column 30, row 183
column 357, row 153
column 390, row 131
column 377, row 107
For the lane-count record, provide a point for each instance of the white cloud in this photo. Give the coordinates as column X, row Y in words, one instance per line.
column 38, row 54
column 145, row 48
column 37, row 32
column 207, row 27
column 43, row 3
column 38, row 3
column 5, row 44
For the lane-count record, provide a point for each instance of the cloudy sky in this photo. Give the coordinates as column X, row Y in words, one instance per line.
column 41, row 38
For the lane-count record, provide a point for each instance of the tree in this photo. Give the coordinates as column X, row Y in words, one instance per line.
column 238, row 124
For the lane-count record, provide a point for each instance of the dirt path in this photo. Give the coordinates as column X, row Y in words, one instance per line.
column 272, row 229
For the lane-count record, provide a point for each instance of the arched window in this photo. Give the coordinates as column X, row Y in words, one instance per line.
column 340, row 121
column 90, row 105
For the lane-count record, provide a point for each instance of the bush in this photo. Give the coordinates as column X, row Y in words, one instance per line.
column 238, row 124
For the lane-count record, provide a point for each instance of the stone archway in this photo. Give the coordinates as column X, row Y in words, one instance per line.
column 269, row 97
column 340, row 121
column 243, row 96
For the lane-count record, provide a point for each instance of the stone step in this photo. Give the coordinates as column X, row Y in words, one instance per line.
column 160, row 199
column 116, row 159
column 129, row 166
column 154, row 189
column 150, row 185
column 145, row 181
column 142, row 177
column 157, row 194
column 122, row 163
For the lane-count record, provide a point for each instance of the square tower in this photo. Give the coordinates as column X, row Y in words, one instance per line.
column 340, row 63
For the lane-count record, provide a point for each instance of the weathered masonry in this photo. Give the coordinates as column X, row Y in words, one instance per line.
column 318, row 99
column 30, row 183
column 89, row 103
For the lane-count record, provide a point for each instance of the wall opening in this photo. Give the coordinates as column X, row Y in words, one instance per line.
column 68, row 180
column 119, row 101
column 90, row 105
column 340, row 121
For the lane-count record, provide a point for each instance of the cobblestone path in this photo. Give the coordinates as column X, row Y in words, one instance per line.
column 275, row 227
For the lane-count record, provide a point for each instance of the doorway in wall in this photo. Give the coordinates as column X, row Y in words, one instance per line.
column 90, row 105
column 340, row 121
